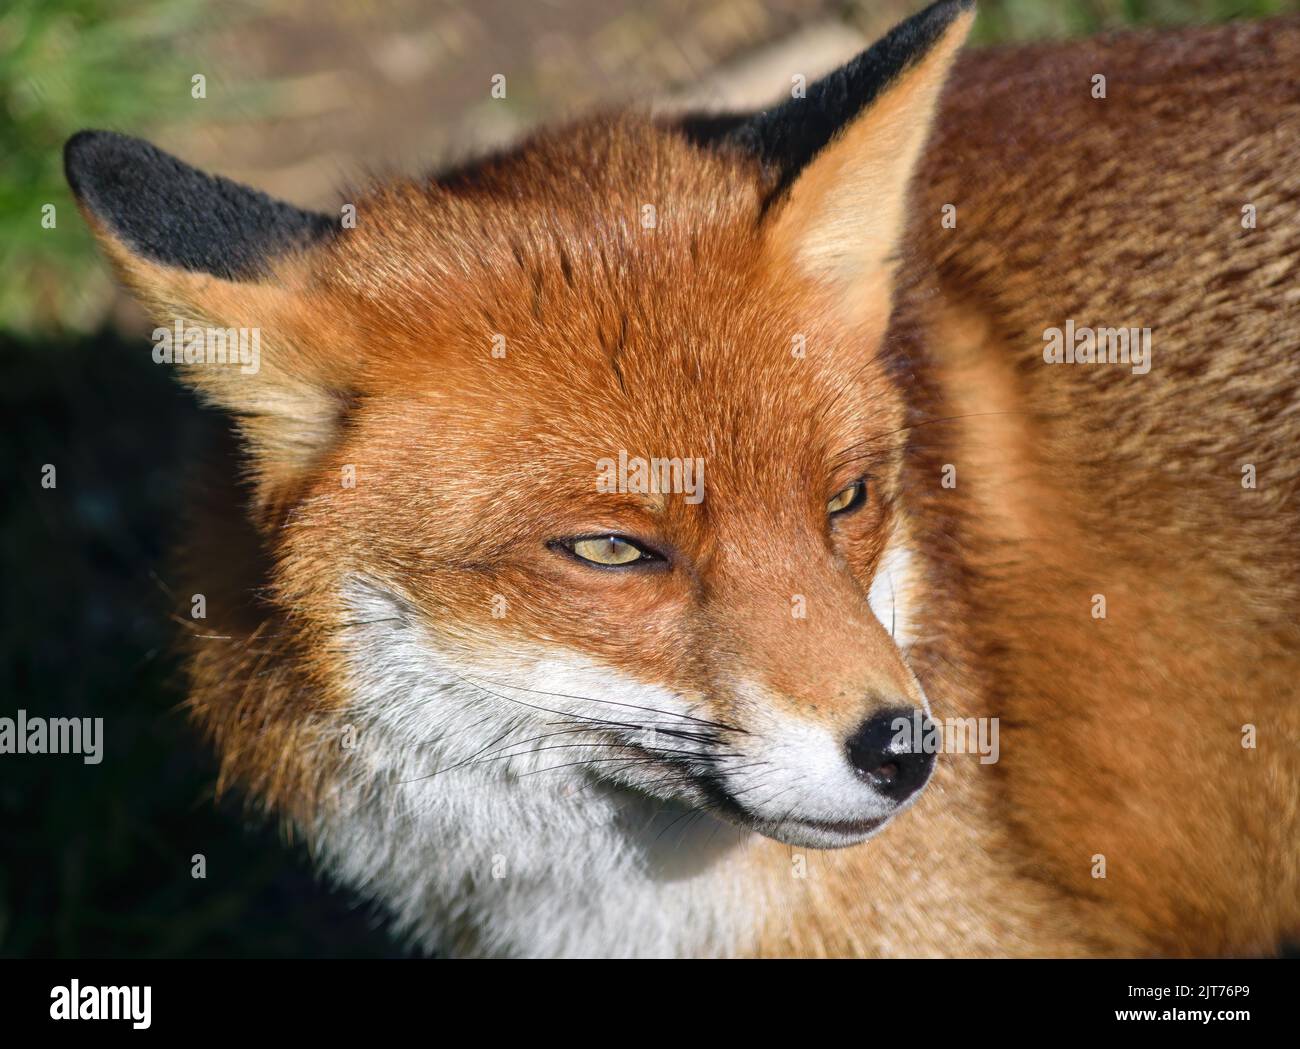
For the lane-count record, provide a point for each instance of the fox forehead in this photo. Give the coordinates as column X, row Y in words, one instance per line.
column 600, row 290
column 580, row 205
column 614, row 249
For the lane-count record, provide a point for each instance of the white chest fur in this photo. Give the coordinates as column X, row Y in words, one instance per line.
column 470, row 816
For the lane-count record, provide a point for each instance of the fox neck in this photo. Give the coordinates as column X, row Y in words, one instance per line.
column 481, row 849
column 493, row 870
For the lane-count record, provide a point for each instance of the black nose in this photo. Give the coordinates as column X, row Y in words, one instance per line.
column 888, row 751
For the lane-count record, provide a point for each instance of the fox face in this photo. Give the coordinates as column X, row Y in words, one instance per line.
column 650, row 527
column 701, row 631
column 579, row 472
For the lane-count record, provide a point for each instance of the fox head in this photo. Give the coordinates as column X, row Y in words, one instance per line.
column 583, row 460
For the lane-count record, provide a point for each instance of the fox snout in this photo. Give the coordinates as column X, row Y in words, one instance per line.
column 889, row 756
column 828, row 782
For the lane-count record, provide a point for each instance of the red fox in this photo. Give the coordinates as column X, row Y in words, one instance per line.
column 625, row 525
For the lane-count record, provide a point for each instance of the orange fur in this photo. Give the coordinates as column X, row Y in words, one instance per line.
column 1121, row 736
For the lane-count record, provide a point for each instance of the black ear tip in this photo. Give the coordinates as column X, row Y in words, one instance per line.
column 80, row 157
column 938, row 16
column 932, row 21
column 104, row 169
column 169, row 212
column 98, row 160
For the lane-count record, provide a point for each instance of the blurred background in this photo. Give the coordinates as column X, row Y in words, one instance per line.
column 300, row 98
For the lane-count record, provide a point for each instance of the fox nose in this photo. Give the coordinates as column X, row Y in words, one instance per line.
column 888, row 752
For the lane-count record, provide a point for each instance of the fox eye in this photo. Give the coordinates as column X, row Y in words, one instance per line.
column 608, row 550
column 849, row 499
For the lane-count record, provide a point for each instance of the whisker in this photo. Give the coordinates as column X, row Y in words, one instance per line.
column 614, row 703
column 657, row 754
column 589, row 761
column 548, row 710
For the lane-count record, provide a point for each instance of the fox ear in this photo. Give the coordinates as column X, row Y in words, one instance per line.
column 212, row 254
column 168, row 213
column 842, row 157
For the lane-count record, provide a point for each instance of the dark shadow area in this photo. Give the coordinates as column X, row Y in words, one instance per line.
column 96, row 860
